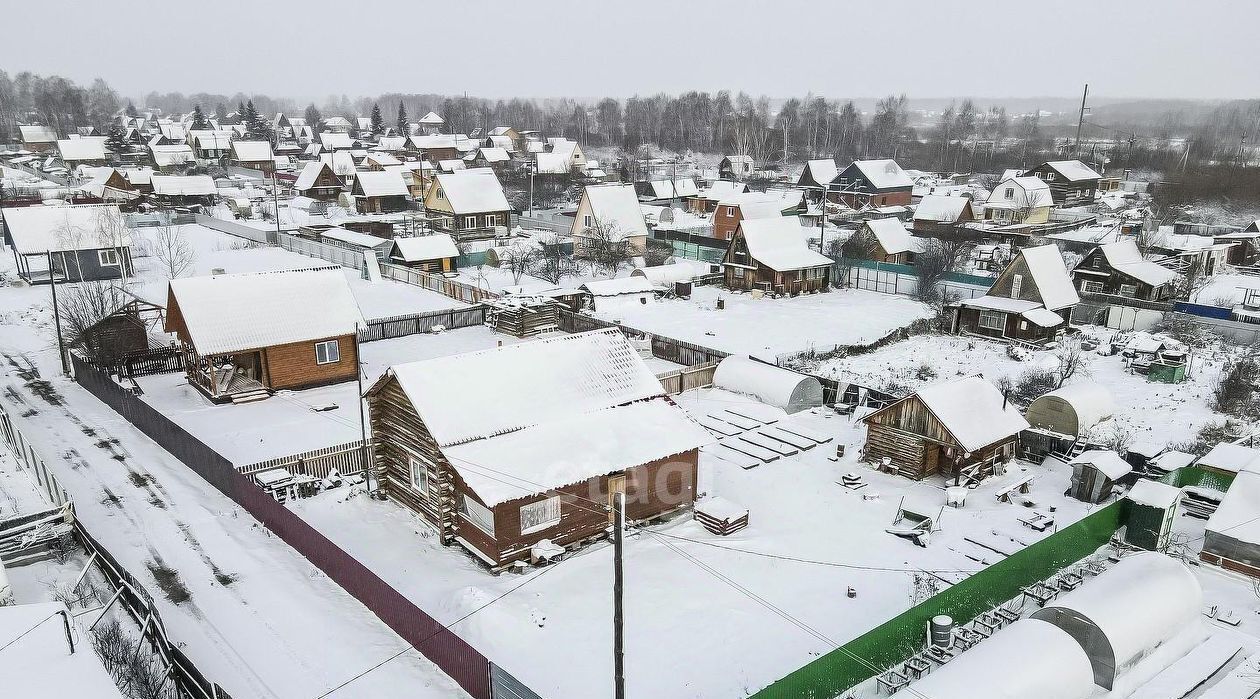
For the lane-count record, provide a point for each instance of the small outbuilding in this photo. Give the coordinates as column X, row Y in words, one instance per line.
column 1071, row 410
column 1095, row 473
column 1228, row 459
column 430, row 253
column 769, row 384
column 1151, row 509
column 1231, row 539
column 1127, row 611
column 69, row 243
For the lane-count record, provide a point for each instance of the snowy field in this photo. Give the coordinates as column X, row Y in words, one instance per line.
column 688, row 633
column 1227, row 289
column 767, row 327
column 1148, row 411
column 213, row 250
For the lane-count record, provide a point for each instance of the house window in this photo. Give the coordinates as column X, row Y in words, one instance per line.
column 470, row 222
column 1049, row 177
column 1129, row 290
column 1009, row 193
column 108, row 258
column 738, row 272
column 537, row 516
column 327, row 352
column 440, row 194
column 1017, row 285
column 1091, row 287
column 418, row 472
column 993, row 320
column 730, row 211
column 479, row 515
column 587, row 221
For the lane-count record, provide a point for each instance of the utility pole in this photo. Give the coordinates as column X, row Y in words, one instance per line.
column 1076, row 148
column 1128, row 161
column 530, row 167
column 363, row 430
column 275, row 200
column 619, row 648
column 52, row 284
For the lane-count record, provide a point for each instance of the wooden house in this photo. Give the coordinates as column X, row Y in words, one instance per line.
column 38, row 138
column 497, row 159
column 172, row 159
column 431, row 124
column 434, row 148
column 89, row 150
column 245, row 335
column 184, row 190
column 771, row 254
column 379, row 192
column 211, row 144
column 430, row 253
column 1019, row 200
column 253, row 155
column 1071, row 182
column 735, row 167
column 318, row 181
column 818, row 174
column 123, row 331
column 505, row 137
column 335, row 141
column 872, row 184
column 889, row 241
column 706, row 200
column 1031, row 301
column 1118, row 268
column 963, row 427
column 536, row 468
column 81, row 243
column 608, row 214
column 736, row 208
column 938, row 214
column 468, row 204
column 108, row 184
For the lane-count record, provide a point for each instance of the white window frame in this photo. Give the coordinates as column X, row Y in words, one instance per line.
column 103, row 255
column 418, row 475
column 738, row 271
column 328, row 358
column 588, row 221
column 989, row 315
column 1017, row 285
column 1128, row 290
column 540, row 515
column 730, row 211
column 1090, row 286
column 476, row 514
column 470, row 222
column 1049, row 177
column 1009, row 193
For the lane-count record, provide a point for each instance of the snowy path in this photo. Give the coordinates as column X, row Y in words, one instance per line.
column 258, row 619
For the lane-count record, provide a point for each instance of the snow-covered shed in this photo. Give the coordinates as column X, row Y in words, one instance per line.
column 574, row 418
column 818, row 174
column 1127, row 611
column 1232, row 536
column 1072, row 409
column 890, row 241
column 939, row 212
column 84, row 149
column 1229, row 458
column 772, row 385
column 184, row 189
column 965, row 423
column 40, row 662
column 245, row 333
column 431, row 253
column 602, row 293
column 1029, row 659
column 1095, row 473
column 1150, row 514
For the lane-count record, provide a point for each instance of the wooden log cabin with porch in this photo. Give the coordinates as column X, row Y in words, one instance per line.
column 965, row 424
column 1030, row 302
column 574, row 420
column 771, row 254
column 245, row 335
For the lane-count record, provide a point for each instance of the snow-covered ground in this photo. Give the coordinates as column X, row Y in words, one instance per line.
column 1227, row 289
column 1148, row 411
column 688, row 633
column 213, row 250
column 767, row 327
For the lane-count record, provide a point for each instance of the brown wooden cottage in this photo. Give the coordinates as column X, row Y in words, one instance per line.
column 245, row 335
column 1071, row 182
column 468, row 204
column 1119, row 269
column 436, row 252
column 964, row 426
column 887, row 240
column 380, row 192
column 872, row 183
column 318, row 181
column 1030, row 302
column 574, row 420
column 771, row 254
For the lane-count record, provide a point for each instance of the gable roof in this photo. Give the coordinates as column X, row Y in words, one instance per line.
column 779, row 243
column 432, row 118
column 883, row 174
column 1124, row 257
column 425, row 247
column 434, row 141
column 179, row 154
column 251, row 151
column 971, row 409
column 1045, row 264
column 342, row 162
column 237, row 312
column 1036, row 193
column 616, row 203
column 820, row 172
column 893, row 236
column 335, row 140
column 310, row 175
column 1071, row 170
column 380, row 184
column 38, row 229
column 474, row 190
column 1106, row 461
column 758, row 204
column 37, row 133
column 82, row 148
column 492, row 154
column 184, row 185
column 938, row 208
column 211, row 139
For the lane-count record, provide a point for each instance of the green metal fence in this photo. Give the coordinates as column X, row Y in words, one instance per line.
column 1198, row 477
column 901, row 637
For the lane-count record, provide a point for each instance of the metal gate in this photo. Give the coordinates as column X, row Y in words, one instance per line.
column 505, row 686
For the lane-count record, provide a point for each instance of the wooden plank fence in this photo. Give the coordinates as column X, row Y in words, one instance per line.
column 698, row 376
column 412, row 324
column 437, row 282
column 347, row 458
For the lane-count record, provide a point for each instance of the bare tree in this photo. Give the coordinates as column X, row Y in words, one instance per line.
column 657, row 252
column 1071, row 358
column 930, row 268
column 1190, row 284
column 860, row 245
column 83, row 305
column 551, row 264
column 173, row 252
column 111, row 231
column 604, row 244
column 518, row 259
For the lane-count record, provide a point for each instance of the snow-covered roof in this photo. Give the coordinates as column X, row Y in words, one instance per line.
column 893, row 236
column 721, row 189
column 555, row 163
column 334, row 140
column 616, row 207
column 433, row 141
column 82, row 148
column 165, row 156
column 1043, row 317
column 354, row 238
column 37, row 133
column 1030, row 192
column 251, row 151
column 680, row 271
column 1137, row 604
column 236, row 312
column 183, row 185
column 474, row 190
column 495, row 155
column 1092, row 402
column 207, row 139
column 1124, row 256
column 425, row 247
column 504, row 142
column 821, row 171
column 38, row 229
column 572, row 448
column 780, row 244
column 1106, row 461
column 884, row 173
column 1045, row 264
column 1232, row 458
column 972, row 410
column 782, row 388
column 451, row 165
column 37, row 662
column 938, row 208
column 391, row 143
column 1238, row 515
column 1154, row 494
column 1029, row 659
column 309, row 175
column 342, row 162
column 632, row 284
column 380, row 184
column 1073, row 170
column 432, row 118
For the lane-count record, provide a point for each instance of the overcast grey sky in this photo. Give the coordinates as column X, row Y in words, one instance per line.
column 540, row 48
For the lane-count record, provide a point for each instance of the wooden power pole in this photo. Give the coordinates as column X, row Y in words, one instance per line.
column 619, row 660
column 1076, row 148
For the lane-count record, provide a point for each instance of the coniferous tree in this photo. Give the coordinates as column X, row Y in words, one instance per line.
column 313, row 117
column 116, row 140
column 220, row 113
column 378, row 122
column 256, row 126
column 402, row 119
column 199, row 120
column 131, row 110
